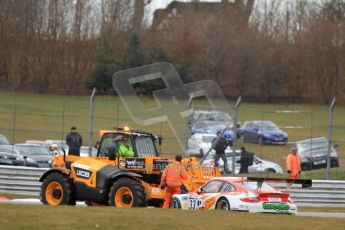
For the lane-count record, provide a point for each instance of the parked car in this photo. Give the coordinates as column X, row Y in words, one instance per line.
column 17, row 159
column 313, row 153
column 259, row 165
column 7, row 158
column 203, row 115
column 3, row 140
column 200, row 143
column 61, row 145
column 28, row 155
column 84, row 151
column 212, row 127
column 39, row 155
column 262, row 132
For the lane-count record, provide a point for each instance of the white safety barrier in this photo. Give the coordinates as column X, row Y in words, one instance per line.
column 327, row 193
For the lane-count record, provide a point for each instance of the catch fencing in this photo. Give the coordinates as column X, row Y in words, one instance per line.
column 323, row 193
column 39, row 117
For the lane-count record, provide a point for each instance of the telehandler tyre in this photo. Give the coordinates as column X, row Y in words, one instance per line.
column 127, row 192
column 56, row 190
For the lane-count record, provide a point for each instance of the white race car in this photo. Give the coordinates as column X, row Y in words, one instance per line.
column 236, row 194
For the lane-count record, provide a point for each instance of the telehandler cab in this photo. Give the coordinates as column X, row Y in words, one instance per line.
column 113, row 179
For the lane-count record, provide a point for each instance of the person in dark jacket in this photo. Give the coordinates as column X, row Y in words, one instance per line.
column 74, row 142
column 220, row 147
column 246, row 160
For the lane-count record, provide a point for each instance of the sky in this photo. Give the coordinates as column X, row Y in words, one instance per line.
column 161, row 4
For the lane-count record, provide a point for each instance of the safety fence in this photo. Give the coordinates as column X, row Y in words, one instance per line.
column 326, row 193
column 46, row 118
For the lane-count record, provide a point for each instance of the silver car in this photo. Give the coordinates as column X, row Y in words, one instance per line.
column 313, row 153
column 29, row 155
column 200, row 143
column 259, row 165
column 3, row 140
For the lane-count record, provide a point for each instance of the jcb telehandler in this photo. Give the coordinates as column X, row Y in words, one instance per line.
column 109, row 179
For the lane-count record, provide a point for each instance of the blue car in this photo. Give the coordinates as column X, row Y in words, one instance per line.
column 213, row 127
column 262, row 132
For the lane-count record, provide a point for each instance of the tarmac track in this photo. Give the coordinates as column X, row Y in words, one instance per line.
column 310, row 214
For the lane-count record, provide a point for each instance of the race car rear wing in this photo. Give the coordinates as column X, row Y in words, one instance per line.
column 304, row 182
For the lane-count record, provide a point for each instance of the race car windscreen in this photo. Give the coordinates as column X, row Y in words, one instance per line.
column 252, row 186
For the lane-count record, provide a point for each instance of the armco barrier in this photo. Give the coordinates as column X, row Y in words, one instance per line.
column 331, row 193
column 20, row 180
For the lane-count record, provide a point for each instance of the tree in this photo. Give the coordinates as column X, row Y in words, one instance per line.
column 101, row 77
column 156, row 54
column 134, row 56
column 183, row 69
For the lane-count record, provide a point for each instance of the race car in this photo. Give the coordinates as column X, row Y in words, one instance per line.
column 236, row 194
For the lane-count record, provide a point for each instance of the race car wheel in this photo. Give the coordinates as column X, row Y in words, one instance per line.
column 56, row 190
column 127, row 192
column 223, row 204
column 175, row 203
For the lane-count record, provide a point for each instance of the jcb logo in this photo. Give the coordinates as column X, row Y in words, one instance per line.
column 83, row 174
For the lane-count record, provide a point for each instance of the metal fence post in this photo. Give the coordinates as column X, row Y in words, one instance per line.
column 92, row 99
column 237, row 106
column 63, row 123
column 14, row 120
column 330, row 133
column 117, row 114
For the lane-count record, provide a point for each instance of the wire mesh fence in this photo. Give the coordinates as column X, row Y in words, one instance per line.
column 33, row 117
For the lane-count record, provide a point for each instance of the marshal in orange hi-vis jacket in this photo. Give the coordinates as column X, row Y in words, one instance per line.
column 293, row 164
column 172, row 178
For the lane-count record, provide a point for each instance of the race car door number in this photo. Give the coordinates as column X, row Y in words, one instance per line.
column 195, row 203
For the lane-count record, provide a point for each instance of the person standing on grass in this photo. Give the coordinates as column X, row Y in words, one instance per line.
column 246, row 160
column 172, row 178
column 74, row 142
column 220, row 147
column 293, row 165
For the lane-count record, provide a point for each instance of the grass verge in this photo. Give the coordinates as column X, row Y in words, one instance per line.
column 47, row 217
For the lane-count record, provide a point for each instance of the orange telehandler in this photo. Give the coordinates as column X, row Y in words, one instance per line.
column 110, row 179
